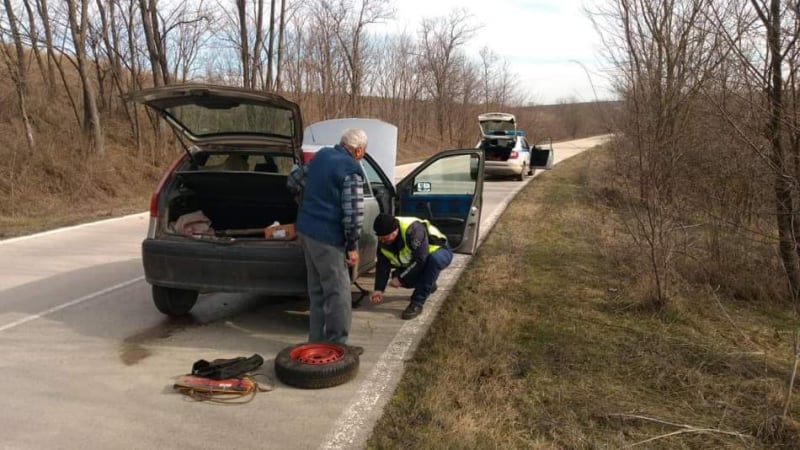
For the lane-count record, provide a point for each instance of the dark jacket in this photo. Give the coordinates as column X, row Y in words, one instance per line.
column 417, row 239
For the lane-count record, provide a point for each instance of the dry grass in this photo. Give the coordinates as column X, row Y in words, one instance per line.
column 560, row 348
column 57, row 186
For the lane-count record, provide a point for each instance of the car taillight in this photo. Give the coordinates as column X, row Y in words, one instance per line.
column 161, row 183
column 513, row 155
column 307, row 156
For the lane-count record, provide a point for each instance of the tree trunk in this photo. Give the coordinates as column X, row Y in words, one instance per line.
column 44, row 15
column 91, row 116
column 783, row 187
column 279, row 63
column 270, row 47
column 244, row 45
column 18, row 71
column 148, row 9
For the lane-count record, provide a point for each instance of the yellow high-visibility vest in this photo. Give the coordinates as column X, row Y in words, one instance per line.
column 403, row 257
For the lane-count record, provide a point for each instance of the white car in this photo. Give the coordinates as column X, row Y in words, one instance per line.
column 507, row 150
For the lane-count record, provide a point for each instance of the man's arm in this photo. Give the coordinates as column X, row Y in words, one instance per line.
column 417, row 240
column 382, row 269
column 353, row 208
column 296, row 181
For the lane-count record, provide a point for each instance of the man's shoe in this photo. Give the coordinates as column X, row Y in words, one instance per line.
column 413, row 310
column 358, row 350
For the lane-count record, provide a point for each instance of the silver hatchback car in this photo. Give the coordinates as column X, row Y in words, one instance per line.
column 211, row 213
column 508, row 153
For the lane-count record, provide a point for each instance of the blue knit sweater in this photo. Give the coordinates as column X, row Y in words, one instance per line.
column 320, row 215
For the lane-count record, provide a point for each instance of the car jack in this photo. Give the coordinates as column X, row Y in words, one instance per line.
column 361, row 294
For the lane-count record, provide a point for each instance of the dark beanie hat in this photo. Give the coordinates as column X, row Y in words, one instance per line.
column 384, row 224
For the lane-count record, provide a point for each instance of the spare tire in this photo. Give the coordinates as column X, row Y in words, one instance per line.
column 316, row 365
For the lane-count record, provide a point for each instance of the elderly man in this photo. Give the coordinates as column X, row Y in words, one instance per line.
column 328, row 226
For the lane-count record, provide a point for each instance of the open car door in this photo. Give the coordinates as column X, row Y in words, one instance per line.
column 542, row 155
column 442, row 190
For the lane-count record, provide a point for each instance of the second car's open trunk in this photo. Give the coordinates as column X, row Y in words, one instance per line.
column 497, row 149
column 234, row 201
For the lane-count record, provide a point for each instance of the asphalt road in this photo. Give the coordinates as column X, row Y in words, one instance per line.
column 89, row 363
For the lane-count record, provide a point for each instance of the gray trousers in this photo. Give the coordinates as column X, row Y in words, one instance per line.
column 330, row 300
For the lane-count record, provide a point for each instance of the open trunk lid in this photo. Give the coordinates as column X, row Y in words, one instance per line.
column 497, row 124
column 209, row 114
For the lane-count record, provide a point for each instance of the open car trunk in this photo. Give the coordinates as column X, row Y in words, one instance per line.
column 237, row 204
column 497, row 148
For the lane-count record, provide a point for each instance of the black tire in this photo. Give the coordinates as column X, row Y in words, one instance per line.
column 316, row 365
column 174, row 302
column 521, row 175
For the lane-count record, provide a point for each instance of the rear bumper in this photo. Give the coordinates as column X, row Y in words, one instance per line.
column 274, row 268
column 510, row 167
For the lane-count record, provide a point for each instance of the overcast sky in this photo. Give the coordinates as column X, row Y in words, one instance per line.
column 541, row 39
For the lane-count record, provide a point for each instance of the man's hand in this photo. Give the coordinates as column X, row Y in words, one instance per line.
column 394, row 282
column 352, row 258
column 376, row 297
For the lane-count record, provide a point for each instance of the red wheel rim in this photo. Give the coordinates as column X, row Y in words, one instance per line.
column 316, row 353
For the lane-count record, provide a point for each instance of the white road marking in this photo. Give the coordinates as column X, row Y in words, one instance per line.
column 381, row 381
column 73, row 227
column 386, row 374
column 69, row 303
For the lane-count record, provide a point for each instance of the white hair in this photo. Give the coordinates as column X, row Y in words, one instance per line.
column 353, row 138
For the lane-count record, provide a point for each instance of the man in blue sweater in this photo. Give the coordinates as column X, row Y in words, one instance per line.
column 328, row 226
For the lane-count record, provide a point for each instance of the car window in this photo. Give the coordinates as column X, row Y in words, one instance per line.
column 525, row 144
column 280, row 164
column 372, row 177
column 223, row 161
column 241, row 162
column 446, row 176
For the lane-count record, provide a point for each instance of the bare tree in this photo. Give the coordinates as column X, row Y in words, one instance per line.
column 34, row 40
column 154, row 38
column 281, row 37
column 79, row 24
column 664, row 54
column 441, row 39
column 44, row 16
column 488, row 59
column 18, row 70
column 269, row 84
column 763, row 38
column 349, row 19
column 250, row 58
column 771, row 17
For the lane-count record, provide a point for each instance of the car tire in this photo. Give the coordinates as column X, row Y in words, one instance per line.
column 521, row 175
column 174, row 302
column 316, row 365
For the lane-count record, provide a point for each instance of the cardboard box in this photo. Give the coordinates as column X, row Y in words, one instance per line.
column 280, row 232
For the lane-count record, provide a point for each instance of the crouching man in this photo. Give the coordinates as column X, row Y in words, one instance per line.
column 417, row 251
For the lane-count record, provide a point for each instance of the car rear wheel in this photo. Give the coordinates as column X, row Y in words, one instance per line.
column 173, row 301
